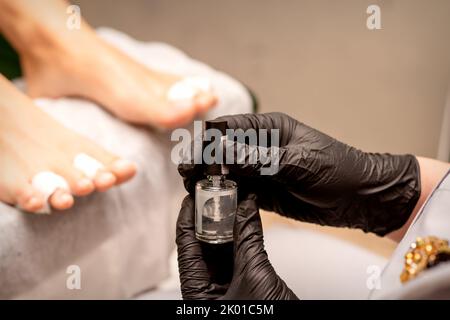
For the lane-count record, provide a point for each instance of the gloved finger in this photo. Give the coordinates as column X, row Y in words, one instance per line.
column 194, row 277
column 254, row 275
column 252, row 160
column 285, row 125
column 247, row 233
column 242, row 160
column 191, row 173
column 190, row 167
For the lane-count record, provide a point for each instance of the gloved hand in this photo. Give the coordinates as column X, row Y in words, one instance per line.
column 322, row 180
column 237, row 270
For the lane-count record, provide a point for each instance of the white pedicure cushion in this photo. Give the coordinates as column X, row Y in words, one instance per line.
column 87, row 165
column 46, row 183
column 183, row 92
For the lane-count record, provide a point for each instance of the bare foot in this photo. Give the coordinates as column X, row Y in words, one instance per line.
column 82, row 64
column 32, row 142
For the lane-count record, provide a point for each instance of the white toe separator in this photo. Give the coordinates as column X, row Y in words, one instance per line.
column 46, row 183
column 87, row 165
column 183, row 92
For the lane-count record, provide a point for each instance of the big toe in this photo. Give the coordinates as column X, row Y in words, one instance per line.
column 205, row 101
column 30, row 199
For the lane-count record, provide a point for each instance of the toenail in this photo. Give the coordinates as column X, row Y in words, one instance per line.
column 106, row 178
column 201, row 98
column 47, row 183
column 182, row 93
column 65, row 198
column 85, row 184
column 88, row 165
column 35, row 203
column 122, row 165
column 205, row 100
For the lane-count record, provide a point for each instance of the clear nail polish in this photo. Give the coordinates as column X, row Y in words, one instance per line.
column 215, row 200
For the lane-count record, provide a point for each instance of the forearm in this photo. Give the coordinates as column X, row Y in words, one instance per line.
column 431, row 173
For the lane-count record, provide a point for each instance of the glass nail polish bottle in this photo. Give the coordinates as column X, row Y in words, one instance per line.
column 215, row 199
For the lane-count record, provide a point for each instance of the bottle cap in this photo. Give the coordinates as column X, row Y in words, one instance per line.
column 215, row 169
column 217, row 124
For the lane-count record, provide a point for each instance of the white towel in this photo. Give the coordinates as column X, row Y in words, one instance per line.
column 120, row 239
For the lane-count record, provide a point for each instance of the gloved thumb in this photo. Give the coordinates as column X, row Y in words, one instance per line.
column 195, row 277
column 247, row 232
column 254, row 276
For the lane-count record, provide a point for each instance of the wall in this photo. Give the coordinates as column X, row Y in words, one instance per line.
column 380, row 90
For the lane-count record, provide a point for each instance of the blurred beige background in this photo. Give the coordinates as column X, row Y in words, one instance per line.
column 381, row 90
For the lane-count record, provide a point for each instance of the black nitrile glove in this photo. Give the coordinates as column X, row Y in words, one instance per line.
column 322, row 180
column 237, row 270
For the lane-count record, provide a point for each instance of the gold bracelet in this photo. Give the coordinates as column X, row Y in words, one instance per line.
column 424, row 253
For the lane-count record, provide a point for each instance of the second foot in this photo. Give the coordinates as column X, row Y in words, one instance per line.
column 95, row 70
column 38, row 154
